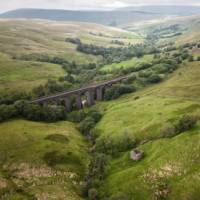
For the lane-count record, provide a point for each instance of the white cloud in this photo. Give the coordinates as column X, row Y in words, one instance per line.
column 83, row 4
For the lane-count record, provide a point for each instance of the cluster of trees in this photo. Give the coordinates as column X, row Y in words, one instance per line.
column 41, row 58
column 51, row 87
column 73, row 40
column 185, row 123
column 112, row 55
column 117, row 42
column 47, row 113
column 88, row 121
column 11, row 97
column 113, row 146
column 117, row 90
column 94, row 176
column 96, row 169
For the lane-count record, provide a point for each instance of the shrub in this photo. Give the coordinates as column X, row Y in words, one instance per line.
column 184, row 55
column 186, row 123
column 20, row 106
column 191, row 58
column 113, row 146
column 130, row 79
column 144, row 74
column 33, row 112
column 73, row 40
column 10, row 98
column 93, row 194
column 86, row 125
column 77, row 116
column 52, row 113
column 95, row 115
column 7, row 112
column 154, row 78
column 47, row 113
column 118, row 90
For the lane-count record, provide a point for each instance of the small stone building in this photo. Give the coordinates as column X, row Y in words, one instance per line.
column 136, row 154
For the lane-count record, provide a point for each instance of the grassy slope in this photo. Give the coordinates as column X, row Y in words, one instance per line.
column 22, row 37
column 173, row 162
column 24, row 75
column 23, row 146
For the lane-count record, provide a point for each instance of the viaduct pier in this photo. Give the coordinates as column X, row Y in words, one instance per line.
column 92, row 92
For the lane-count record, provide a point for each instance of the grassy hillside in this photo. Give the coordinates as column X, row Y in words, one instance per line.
column 169, row 169
column 23, row 75
column 22, row 39
column 112, row 17
column 41, row 160
column 49, row 160
column 169, row 29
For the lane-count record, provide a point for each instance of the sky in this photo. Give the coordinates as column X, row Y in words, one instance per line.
column 6, row 5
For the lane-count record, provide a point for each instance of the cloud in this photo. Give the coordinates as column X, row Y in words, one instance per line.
column 89, row 4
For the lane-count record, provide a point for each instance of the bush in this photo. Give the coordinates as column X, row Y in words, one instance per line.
column 186, row 123
column 154, row 78
column 10, row 98
column 118, row 90
column 86, row 125
column 95, row 115
column 73, row 40
column 191, row 58
column 93, row 194
column 33, row 112
column 47, row 113
column 7, row 112
column 113, row 146
column 130, row 79
column 144, row 74
column 53, row 113
column 77, row 116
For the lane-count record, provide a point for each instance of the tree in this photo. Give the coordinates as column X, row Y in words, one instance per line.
column 186, row 123
column 7, row 112
column 154, row 78
column 191, row 58
column 86, row 125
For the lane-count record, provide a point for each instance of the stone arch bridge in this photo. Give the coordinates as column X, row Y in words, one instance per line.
column 91, row 93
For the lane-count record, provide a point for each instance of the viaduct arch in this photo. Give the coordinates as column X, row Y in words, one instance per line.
column 91, row 92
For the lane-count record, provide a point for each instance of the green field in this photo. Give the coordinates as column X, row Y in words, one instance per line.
column 24, row 169
column 24, row 75
column 128, row 63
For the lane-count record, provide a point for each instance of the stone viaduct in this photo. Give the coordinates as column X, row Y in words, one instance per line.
column 91, row 93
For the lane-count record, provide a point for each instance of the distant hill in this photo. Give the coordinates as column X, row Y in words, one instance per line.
column 102, row 17
column 166, row 10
